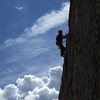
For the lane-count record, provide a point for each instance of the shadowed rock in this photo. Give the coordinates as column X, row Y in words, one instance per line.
column 81, row 69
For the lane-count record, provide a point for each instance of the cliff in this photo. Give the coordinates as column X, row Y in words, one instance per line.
column 81, row 69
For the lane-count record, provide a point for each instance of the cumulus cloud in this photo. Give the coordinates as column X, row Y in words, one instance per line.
column 31, row 87
column 43, row 93
column 54, row 74
column 42, row 24
column 11, row 92
column 28, row 83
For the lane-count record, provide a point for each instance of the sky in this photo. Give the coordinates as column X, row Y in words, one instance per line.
column 28, row 30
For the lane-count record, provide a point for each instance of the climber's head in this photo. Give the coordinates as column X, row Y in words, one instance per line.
column 60, row 32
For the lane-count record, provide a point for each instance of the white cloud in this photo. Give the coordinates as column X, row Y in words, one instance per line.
column 18, row 8
column 54, row 74
column 43, row 93
column 29, row 82
column 11, row 92
column 31, row 87
column 2, row 95
column 43, row 24
column 45, row 79
column 48, row 21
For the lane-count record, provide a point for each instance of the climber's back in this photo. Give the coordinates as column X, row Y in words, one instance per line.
column 59, row 38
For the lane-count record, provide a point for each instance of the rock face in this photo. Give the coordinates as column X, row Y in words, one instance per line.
column 81, row 69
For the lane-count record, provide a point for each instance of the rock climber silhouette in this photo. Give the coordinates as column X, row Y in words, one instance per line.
column 59, row 42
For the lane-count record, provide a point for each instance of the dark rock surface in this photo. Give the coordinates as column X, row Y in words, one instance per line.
column 81, row 69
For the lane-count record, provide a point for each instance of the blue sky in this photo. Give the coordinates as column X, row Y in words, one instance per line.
column 27, row 37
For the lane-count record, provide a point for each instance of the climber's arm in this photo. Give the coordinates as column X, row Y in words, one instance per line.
column 65, row 36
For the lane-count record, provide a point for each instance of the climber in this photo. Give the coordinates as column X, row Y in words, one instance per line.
column 59, row 42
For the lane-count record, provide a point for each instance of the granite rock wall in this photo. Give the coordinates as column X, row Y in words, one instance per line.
column 81, row 69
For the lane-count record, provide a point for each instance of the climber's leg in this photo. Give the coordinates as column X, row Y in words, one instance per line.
column 62, row 51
